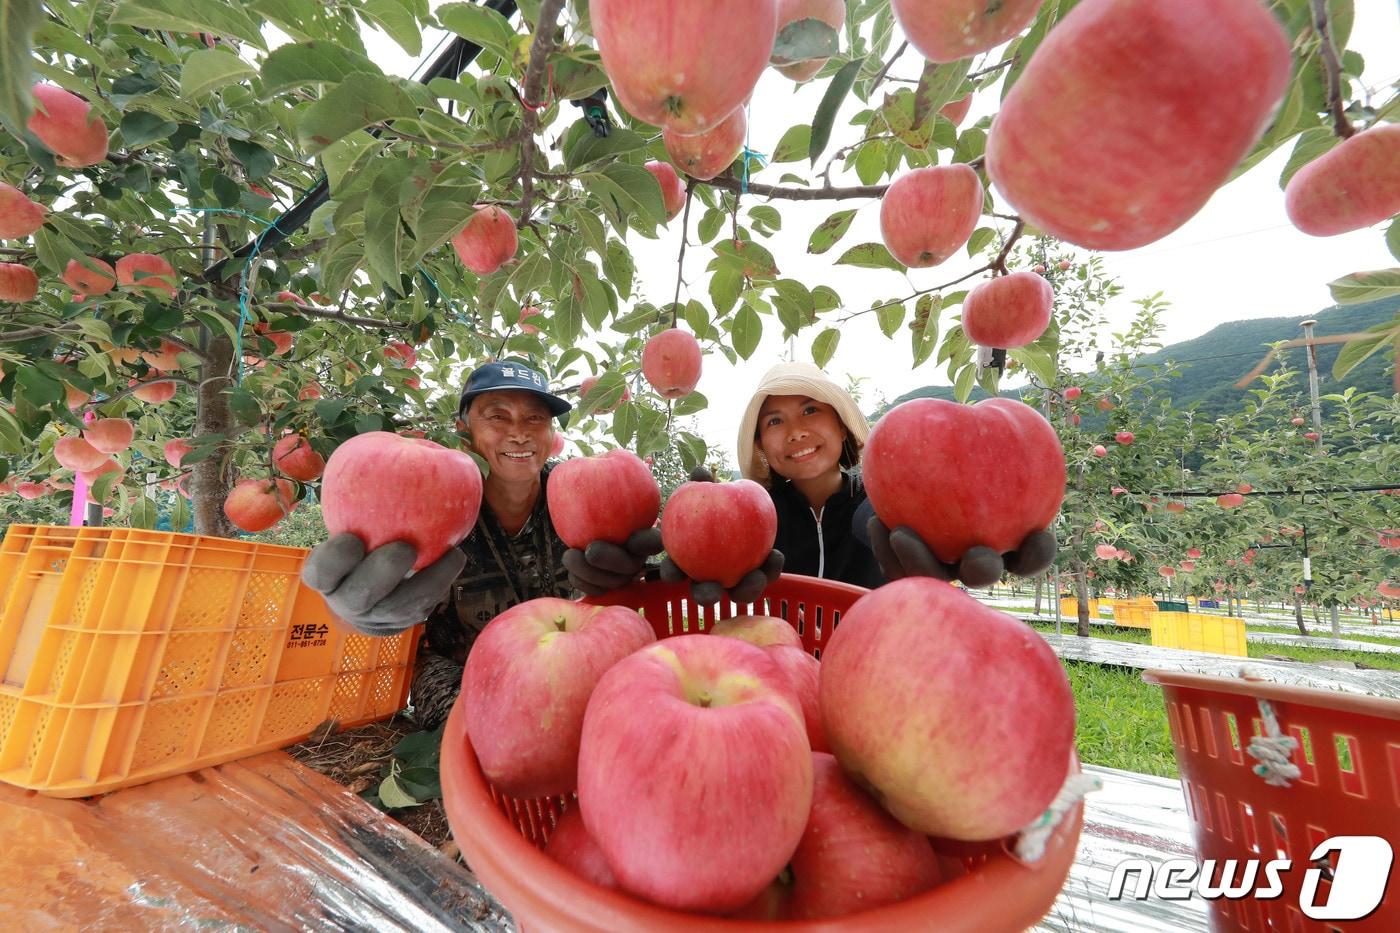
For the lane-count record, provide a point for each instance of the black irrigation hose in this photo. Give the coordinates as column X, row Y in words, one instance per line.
column 452, row 62
column 1326, row 491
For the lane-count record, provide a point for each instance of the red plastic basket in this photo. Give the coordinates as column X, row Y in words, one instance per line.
column 1349, row 757
column 501, row 837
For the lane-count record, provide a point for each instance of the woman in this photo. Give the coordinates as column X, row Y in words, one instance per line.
column 801, row 437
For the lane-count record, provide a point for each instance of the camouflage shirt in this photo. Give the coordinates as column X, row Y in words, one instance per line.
column 501, row 571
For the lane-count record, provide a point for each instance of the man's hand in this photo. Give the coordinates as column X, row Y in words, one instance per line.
column 749, row 588
column 370, row 591
column 902, row 553
column 603, row 566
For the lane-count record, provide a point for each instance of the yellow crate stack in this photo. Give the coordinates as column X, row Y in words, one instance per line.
column 1131, row 615
column 1070, row 607
column 1194, row 632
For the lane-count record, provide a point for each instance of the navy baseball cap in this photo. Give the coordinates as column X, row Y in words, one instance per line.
column 497, row 376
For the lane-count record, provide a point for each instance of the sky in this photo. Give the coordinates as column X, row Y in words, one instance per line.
column 1239, row 257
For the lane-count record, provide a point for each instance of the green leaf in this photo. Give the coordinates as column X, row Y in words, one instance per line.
column 605, row 394
column 368, row 423
column 1392, row 238
column 180, row 512
column 1311, row 144
column 619, row 269
column 794, row 144
column 99, row 490
column 836, row 92
column 18, row 20
column 938, row 84
column 824, row 347
column 766, row 216
column 1365, row 286
column 1357, row 351
column 699, row 320
column 140, row 128
column 210, row 69
column 925, row 327
column 710, row 224
column 397, row 22
column 870, row 161
column 357, row 102
column 582, row 146
column 481, row 24
column 244, row 406
column 691, row 404
column 803, row 40
column 831, row 230
column 144, row 513
column 36, row 388
column 311, row 63
column 725, row 285
column 747, row 330
column 393, row 795
column 962, row 386
column 1037, row 361
column 981, row 238
column 54, row 249
column 890, row 314
column 642, row 187
column 594, row 234
column 625, row 422
column 870, row 256
column 215, row 16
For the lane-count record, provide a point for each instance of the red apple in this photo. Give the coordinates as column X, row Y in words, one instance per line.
column 705, row 155
column 35, row 490
column 487, row 241
column 1008, row 311
column 959, row 717
column 529, row 676
column 853, row 855
column 1105, row 552
column 166, row 358
column 175, row 451
column 1193, row 553
column 17, row 282
column 1354, row 185
column 527, row 312
column 1176, row 506
column 605, row 497
column 258, row 504
column 19, row 216
column 290, row 298
column 75, row 398
column 719, row 531
column 1038, row 269
column 570, row 845
column 309, row 392
column 830, row 12
column 294, row 456
column 965, row 475
column 687, row 64
column 947, row 30
column 556, row 446
column 927, row 214
column 383, row 488
column 401, row 354
column 281, row 340
column 1124, row 437
column 67, row 127
column 1063, row 265
column 1389, row 538
column 1117, row 490
column 89, row 281
column 803, row 674
column 1072, row 393
column 1313, row 436
column 1298, row 422
column 74, row 453
column 140, row 271
column 1167, row 571
column 692, row 747
column 956, row 110
column 1105, row 404
column 154, row 389
column 1230, row 500
column 671, row 363
column 110, row 435
column 589, row 382
column 1187, row 566
column 1387, row 589
column 672, row 188
column 1080, row 147
column 1244, row 489
column 760, row 631
column 1074, row 419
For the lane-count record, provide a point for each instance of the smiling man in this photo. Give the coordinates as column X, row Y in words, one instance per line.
column 512, row 555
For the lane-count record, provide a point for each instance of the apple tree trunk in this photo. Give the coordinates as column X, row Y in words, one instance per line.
column 1081, row 596
column 209, row 483
column 1039, row 590
column 1298, row 614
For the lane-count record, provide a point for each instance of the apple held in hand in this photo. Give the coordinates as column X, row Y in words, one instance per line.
column 926, row 215
column 965, row 475
column 383, row 487
column 1080, row 146
column 694, row 772
column 527, row 682
column 605, row 497
column 719, row 531
column 760, row 631
column 1009, row 311
column 959, row 717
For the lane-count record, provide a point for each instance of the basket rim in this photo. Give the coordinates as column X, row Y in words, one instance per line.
column 1361, row 704
column 495, row 849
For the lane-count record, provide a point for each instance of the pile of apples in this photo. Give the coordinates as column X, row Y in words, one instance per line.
column 733, row 774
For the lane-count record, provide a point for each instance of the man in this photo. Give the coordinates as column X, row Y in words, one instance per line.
column 512, row 555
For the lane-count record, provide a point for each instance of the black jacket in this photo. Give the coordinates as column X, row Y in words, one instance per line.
column 837, row 547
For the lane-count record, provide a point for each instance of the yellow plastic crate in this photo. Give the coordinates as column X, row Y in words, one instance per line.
column 129, row 655
column 1070, row 607
column 1191, row 631
column 1132, row 616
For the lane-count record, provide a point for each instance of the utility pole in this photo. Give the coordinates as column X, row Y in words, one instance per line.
column 1317, row 449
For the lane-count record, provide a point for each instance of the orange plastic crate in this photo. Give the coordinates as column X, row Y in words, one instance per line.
column 502, row 837
column 1349, row 758
column 129, row 655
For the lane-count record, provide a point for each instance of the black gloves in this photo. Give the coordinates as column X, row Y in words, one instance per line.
column 603, row 566
column 748, row 589
column 902, row 553
column 370, row 591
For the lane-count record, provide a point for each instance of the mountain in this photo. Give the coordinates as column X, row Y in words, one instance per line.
column 1212, row 363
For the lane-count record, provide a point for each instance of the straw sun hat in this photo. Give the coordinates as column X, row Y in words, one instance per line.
column 795, row 379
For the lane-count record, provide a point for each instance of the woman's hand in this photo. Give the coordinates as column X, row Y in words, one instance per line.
column 902, row 553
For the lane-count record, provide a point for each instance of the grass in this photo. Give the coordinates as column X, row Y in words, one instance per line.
column 1385, row 662
column 1120, row 722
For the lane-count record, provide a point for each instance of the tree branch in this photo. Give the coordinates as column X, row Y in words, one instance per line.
column 800, row 194
column 1334, row 70
column 999, row 264
column 923, row 291
column 289, row 307
column 886, row 70
column 540, row 48
column 680, row 260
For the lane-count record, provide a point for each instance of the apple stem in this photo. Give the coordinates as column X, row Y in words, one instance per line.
column 705, row 700
column 561, row 624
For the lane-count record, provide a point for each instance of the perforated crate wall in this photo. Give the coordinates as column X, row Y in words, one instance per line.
column 129, row 655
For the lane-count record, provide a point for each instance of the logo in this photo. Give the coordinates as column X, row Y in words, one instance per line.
column 1358, row 868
